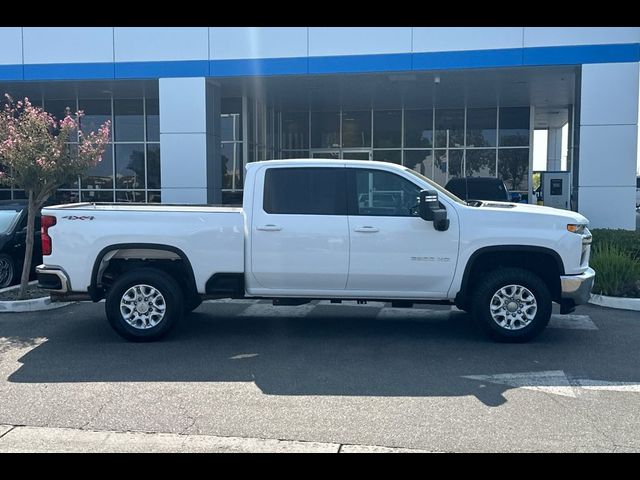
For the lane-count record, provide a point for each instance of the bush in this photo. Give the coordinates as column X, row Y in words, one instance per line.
column 617, row 268
column 627, row 240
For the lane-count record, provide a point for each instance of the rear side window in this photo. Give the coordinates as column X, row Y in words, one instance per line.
column 305, row 191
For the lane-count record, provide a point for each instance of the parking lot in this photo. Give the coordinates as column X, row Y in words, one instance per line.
column 350, row 375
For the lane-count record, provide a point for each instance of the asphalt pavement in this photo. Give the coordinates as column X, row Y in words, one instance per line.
column 336, row 376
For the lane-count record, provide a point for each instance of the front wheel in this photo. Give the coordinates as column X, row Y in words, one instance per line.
column 512, row 305
column 144, row 304
column 7, row 270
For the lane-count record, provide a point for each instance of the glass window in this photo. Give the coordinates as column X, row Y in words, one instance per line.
column 232, row 166
column 7, row 219
column 154, row 196
column 97, row 195
column 383, row 193
column 325, row 129
column 153, row 165
column 391, row 156
column 101, row 175
column 420, row 160
column 356, row 129
column 418, row 128
column 449, row 131
column 482, row 127
column 295, row 130
column 387, row 129
column 152, row 110
column 60, row 108
column 130, row 166
column 455, row 163
column 440, row 167
column 480, row 163
column 130, row 197
column 306, row 191
column 66, row 196
column 230, row 127
column 327, row 155
column 294, row 154
column 233, row 106
column 96, row 112
column 128, row 120
column 514, row 127
column 513, row 168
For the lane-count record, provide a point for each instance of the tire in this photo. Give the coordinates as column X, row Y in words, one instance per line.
column 503, row 319
column 191, row 303
column 7, row 270
column 136, row 319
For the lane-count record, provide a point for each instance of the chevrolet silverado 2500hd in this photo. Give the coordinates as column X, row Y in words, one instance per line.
column 321, row 229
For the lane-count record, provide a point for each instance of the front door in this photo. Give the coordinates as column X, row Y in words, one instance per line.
column 300, row 233
column 394, row 252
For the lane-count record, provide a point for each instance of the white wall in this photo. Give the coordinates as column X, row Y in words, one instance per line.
column 608, row 150
column 10, row 45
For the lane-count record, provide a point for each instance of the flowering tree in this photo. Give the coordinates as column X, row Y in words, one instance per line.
column 39, row 154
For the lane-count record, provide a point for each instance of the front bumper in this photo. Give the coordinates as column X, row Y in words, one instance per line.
column 577, row 288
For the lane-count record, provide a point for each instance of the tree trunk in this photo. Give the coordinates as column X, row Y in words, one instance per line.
column 28, row 249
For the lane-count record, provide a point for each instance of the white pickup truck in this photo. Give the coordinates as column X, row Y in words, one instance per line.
column 321, row 229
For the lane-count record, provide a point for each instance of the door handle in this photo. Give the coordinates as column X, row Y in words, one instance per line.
column 269, row 228
column 367, row 229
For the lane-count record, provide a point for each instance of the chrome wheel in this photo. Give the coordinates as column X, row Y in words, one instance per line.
column 142, row 306
column 513, row 307
column 6, row 272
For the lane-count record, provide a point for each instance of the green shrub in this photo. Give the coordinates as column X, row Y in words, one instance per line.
column 627, row 240
column 617, row 269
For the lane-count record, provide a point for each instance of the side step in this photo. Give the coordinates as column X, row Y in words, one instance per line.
column 290, row 302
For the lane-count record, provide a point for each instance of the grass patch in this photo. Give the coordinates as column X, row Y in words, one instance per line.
column 615, row 256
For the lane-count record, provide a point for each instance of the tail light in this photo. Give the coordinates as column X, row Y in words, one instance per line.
column 45, row 222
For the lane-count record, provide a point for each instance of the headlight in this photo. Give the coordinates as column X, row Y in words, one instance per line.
column 578, row 228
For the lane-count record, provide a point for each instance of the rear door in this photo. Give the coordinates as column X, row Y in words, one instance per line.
column 300, row 234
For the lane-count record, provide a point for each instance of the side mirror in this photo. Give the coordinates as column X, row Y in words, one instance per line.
column 429, row 210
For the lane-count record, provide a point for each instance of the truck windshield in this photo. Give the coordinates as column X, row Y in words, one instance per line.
column 433, row 184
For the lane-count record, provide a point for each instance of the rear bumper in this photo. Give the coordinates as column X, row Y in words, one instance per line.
column 577, row 288
column 53, row 279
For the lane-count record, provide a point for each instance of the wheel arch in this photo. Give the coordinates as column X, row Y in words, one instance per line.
column 137, row 251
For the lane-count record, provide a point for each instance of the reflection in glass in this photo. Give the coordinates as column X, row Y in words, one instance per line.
column 97, row 196
column 154, row 196
column 153, row 165
column 101, row 176
column 513, row 168
column 130, row 197
column 481, row 127
column 440, row 167
column 232, row 167
column 480, row 163
column 128, row 120
column 230, row 127
column 514, row 127
column 418, row 128
column 392, row 156
column 295, row 130
column 325, row 129
column 420, row 160
column 387, row 129
column 356, row 129
column 327, row 155
column 455, row 163
column 65, row 196
column 295, row 154
column 130, row 166
column 96, row 112
column 153, row 119
column 449, row 131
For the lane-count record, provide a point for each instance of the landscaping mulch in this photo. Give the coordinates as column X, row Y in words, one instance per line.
column 32, row 292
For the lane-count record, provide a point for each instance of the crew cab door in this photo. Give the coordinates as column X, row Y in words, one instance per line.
column 299, row 229
column 394, row 252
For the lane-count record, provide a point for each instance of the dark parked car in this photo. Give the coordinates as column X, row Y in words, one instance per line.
column 13, row 234
column 479, row 188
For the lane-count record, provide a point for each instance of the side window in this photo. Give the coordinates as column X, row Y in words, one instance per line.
column 383, row 193
column 305, row 191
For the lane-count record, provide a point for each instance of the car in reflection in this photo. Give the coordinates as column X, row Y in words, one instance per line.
column 13, row 235
column 479, row 188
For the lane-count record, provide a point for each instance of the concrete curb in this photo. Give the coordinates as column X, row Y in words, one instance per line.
column 49, row 439
column 616, row 302
column 32, row 305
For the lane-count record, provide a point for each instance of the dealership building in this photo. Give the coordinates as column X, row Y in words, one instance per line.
column 191, row 106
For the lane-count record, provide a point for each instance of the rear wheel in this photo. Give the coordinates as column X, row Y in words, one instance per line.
column 7, row 270
column 512, row 305
column 144, row 304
